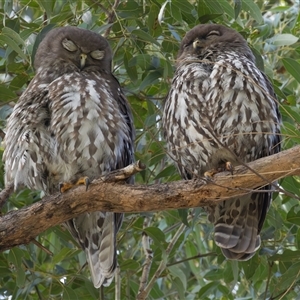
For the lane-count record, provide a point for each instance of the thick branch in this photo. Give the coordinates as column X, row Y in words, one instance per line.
column 20, row 227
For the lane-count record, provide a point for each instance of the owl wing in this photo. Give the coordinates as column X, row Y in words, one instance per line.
column 97, row 231
column 28, row 141
column 238, row 221
column 194, row 141
column 128, row 151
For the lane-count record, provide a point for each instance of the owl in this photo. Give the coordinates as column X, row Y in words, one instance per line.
column 222, row 111
column 73, row 122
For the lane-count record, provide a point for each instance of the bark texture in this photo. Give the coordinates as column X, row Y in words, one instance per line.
column 109, row 194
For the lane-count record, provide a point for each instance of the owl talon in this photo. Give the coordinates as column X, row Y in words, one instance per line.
column 85, row 181
column 60, row 187
column 210, row 174
column 64, row 186
column 229, row 167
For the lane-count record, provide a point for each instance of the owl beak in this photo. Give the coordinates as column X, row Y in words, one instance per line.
column 82, row 60
column 196, row 44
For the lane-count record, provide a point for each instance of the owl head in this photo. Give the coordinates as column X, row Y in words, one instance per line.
column 215, row 38
column 73, row 47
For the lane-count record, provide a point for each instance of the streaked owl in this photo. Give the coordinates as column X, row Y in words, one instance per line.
column 73, row 121
column 221, row 110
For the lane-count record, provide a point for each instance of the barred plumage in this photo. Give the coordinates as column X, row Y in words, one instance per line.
column 72, row 121
column 222, row 108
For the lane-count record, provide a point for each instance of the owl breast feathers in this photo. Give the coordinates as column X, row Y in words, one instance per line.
column 73, row 121
column 221, row 108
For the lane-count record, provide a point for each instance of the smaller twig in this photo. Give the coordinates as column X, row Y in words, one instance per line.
column 111, row 15
column 5, row 193
column 118, row 283
column 2, row 134
column 148, row 256
column 42, row 247
column 40, row 297
column 122, row 174
column 162, row 266
column 101, row 293
column 291, row 286
column 111, row 18
column 268, row 279
column 192, row 257
column 71, row 279
column 45, row 19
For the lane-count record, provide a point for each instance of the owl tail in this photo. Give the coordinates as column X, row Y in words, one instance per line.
column 238, row 223
column 96, row 233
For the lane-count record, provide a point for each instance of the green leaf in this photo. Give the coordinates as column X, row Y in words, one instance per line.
column 69, row 294
column 47, row 6
column 141, row 60
column 5, row 271
column 291, row 184
column 203, row 9
column 56, row 289
column 177, row 272
column 291, row 112
column 253, row 9
column 231, row 272
column 261, row 273
column 207, row 289
column 184, row 6
column 168, row 171
column 227, row 8
column 8, row 6
column 15, row 257
column 250, row 266
column 179, row 287
column 13, row 35
column 153, row 25
column 11, row 44
column 183, row 214
column 155, row 234
column 65, row 253
column 214, row 6
column 289, row 131
column 158, row 238
column 237, row 8
column 145, row 36
column 129, row 264
column 293, row 67
column 284, row 39
column 289, row 278
column 298, row 238
column 175, row 12
column 131, row 70
column 151, row 78
column 21, row 277
column 225, row 291
column 19, row 81
column 287, row 255
column 156, row 292
column 7, row 94
column 214, row 274
column 293, row 215
column 258, row 59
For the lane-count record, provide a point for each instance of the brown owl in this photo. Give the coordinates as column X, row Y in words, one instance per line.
column 221, row 110
column 73, row 121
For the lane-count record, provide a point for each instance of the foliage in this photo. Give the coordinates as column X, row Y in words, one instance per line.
column 145, row 37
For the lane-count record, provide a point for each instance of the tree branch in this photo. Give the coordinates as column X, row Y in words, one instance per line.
column 21, row 226
column 146, row 241
column 111, row 14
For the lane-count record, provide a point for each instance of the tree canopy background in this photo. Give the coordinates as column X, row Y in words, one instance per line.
column 145, row 38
